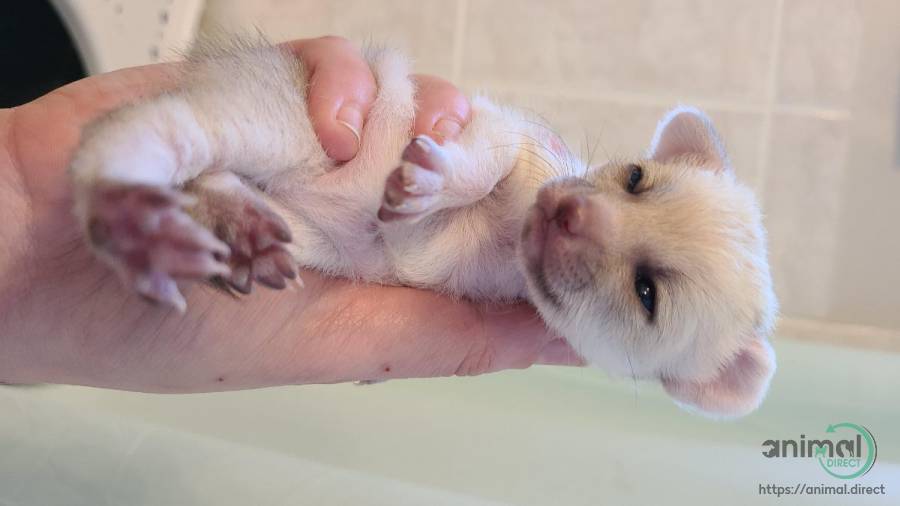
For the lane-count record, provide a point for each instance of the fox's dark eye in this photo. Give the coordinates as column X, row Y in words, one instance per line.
column 634, row 177
column 646, row 292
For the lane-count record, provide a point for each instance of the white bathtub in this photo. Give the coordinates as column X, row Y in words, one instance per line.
column 546, row 436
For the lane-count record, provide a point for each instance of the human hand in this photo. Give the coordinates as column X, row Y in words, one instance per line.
column 64, row 318
column 342, row 89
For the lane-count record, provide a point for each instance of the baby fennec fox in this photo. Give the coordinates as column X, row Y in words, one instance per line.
column 654, row 267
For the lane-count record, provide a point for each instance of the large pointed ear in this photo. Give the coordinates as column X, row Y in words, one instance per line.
column 687, row 132
column 737, row 390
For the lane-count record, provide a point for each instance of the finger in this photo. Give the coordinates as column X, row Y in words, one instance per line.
column 341, row 91
column 518, row 338
column 442, row 110
column 365, row 332
column 559, row 352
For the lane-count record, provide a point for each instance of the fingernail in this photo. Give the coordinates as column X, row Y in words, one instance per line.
column 350, row 117
column 446, row 129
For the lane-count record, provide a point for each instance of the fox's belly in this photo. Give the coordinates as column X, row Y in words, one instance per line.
column 457, row 251
column 430, row 255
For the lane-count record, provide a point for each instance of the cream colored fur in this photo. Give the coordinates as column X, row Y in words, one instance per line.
column 242, row 110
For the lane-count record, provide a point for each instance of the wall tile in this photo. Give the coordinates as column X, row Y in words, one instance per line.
column 622, row 130
column 604, row 71
column 680, row 48
column 611, row 129
column 866, row 272
column 820, row 52
column 422, row 28
column 803, row 196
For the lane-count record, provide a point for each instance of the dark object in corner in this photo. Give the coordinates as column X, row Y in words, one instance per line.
column 37, row 52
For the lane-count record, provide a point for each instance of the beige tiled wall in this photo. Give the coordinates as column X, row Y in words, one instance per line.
column 804, row 91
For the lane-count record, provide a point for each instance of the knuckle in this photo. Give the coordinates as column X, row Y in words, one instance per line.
column 460, row 107
column 479, row 359
column 336, row 41
column 433, row 85
column 442, row 95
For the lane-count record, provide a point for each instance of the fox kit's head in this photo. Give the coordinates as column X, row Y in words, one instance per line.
column 657, row 268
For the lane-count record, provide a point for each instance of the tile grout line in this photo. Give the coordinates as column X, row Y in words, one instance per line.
column 813, row 112
column 852, row 335
column 459, row 33
column 765, row 135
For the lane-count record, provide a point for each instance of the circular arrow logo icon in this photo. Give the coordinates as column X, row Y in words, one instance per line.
column 852, row 457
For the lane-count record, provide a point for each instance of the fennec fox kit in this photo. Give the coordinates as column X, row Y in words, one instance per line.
column 653, row 267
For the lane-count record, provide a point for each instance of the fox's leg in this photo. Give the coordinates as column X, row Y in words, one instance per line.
column 242, row 218
column 465, row 243
column 242, row 112
column 472, row 196
column 432, row 177
column 143, row 233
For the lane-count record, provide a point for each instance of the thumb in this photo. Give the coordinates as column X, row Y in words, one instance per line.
column 341, row 91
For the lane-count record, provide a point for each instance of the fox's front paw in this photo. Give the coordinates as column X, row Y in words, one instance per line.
column 144, row 234
column 413, row 189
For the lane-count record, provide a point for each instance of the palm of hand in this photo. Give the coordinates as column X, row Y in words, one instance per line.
column 69, row 320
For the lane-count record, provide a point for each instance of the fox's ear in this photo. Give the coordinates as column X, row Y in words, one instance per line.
column 737, row 389
column 685, row 132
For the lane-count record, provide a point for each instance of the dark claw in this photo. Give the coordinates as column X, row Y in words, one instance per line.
column 417, row 152
column 266, row 272
column 285, row 264
column 240, row 279
column 282, row 234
